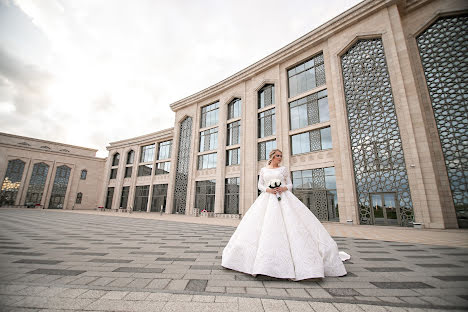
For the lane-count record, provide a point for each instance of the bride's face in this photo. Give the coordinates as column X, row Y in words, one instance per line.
column 277, row 158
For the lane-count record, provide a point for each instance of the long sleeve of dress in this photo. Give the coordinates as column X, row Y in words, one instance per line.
column 261, row 182
column 287, row 179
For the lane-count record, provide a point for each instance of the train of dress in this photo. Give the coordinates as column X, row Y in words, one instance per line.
column 283, row 239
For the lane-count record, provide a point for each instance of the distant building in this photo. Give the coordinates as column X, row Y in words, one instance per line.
column 48, row 174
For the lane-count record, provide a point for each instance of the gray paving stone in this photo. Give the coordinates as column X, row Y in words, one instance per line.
column 270, row 305
column 347, row 307
column 401, row 285
column 37, row 261
column 196, row 285
column 323, row 307
column 138, row 270
column 342, row 292
column 114, row 295
column 125, row 306
column 56, row 272
column 158, row 283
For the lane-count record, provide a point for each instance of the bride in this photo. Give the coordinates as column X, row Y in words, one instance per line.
column 279, row 236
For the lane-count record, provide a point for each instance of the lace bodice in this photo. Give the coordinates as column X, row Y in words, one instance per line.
column 280, row 173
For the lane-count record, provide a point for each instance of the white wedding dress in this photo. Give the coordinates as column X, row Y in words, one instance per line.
column 283, row 238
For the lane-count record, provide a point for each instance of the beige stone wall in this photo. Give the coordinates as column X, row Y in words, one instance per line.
column 123, row 148
column 77, row 158
column 395, row 22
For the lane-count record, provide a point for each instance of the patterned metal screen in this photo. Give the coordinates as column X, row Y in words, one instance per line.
column 266, row 96
column 37, row 183
column 266, row 123
column 316, row 188
column 183, row 160
column 57, row 198
column 231, row 196
column 205, row 195
column 11, row 182
column 379, row 165
column 306, row 76
column 234, row 109
column 443, row 48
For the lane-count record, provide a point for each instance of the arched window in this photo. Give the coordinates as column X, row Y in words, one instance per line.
column 130, row 157
column 84, row 173
column 115, row 159
column 79, row 197
column 266, row 96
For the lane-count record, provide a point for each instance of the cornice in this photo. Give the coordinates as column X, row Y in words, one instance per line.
column 162, row 134
column 315, row 37
column 45, row 141
column 52, row 152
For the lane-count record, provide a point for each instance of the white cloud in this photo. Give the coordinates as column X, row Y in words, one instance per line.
column 109, row 69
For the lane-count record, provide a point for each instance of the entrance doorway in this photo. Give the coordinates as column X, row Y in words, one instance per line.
column 385, row 209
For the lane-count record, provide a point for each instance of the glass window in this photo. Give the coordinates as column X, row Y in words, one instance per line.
column 205, row 195
column 266, row 123
column 316, row 188
column 124, row 197
column 306, row 76
column 115, row 159
column 264, row 149
column 164, row 151
column 83, row 175
column 234, row 109
column 79, row 197
column 113, row 173
column 109, row 197
column 266, row 96
column 233, row 133
column 59, row 189
column 209, row 140
column 130, row 157
column 37, row 183
column 145, row 170
column 207, row 161
column 309, row 110
column 158, row 201
column 325, row 136
column 231, row 196
column 147, row 153
column 141, row 198
column 128, row 172
column 209, row 115
column 163, row 167
column 311, row 141
column 233, row 157
column 12, row 181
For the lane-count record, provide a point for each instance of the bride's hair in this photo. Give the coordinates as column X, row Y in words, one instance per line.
column 272, row 153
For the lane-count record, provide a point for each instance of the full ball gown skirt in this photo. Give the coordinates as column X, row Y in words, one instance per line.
column 282, row 239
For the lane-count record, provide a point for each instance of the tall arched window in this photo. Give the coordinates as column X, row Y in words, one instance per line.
column 130, row 157
column 11, row 182
column 84, row 173
column 115, row 159
column 79, row 197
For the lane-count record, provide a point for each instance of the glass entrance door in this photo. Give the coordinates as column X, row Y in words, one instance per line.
column 385, row 208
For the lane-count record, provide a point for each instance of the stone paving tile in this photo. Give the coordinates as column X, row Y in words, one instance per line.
column 125, row 306
column 323, row 307
column 121, row 256
column 347, row 307
column 271, row 305
column 114, row 295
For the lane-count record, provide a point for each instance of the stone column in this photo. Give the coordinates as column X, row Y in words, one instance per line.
column 221, row 158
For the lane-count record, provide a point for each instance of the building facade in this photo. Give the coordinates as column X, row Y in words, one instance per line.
column 369, row 109
column 48, row 174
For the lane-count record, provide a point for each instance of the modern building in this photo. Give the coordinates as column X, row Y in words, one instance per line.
column 369, row 109
column 48, row 174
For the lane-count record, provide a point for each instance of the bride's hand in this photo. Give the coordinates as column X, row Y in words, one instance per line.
column 281, row 189
column 271, row 191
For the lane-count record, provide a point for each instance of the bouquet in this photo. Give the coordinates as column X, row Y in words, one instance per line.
column 274, row 184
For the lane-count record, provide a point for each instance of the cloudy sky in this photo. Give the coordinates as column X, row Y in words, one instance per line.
column 73, row 71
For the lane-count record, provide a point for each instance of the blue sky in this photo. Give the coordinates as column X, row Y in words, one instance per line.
column 73, row 71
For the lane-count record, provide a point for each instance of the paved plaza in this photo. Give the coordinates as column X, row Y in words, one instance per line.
column 66, row 261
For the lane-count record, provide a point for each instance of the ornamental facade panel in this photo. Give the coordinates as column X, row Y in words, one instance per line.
column 37, row 183
column 182, row 168
column 443, row 48
column 378, row 160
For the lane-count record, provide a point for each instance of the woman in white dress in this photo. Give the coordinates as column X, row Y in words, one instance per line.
column 281, row 237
